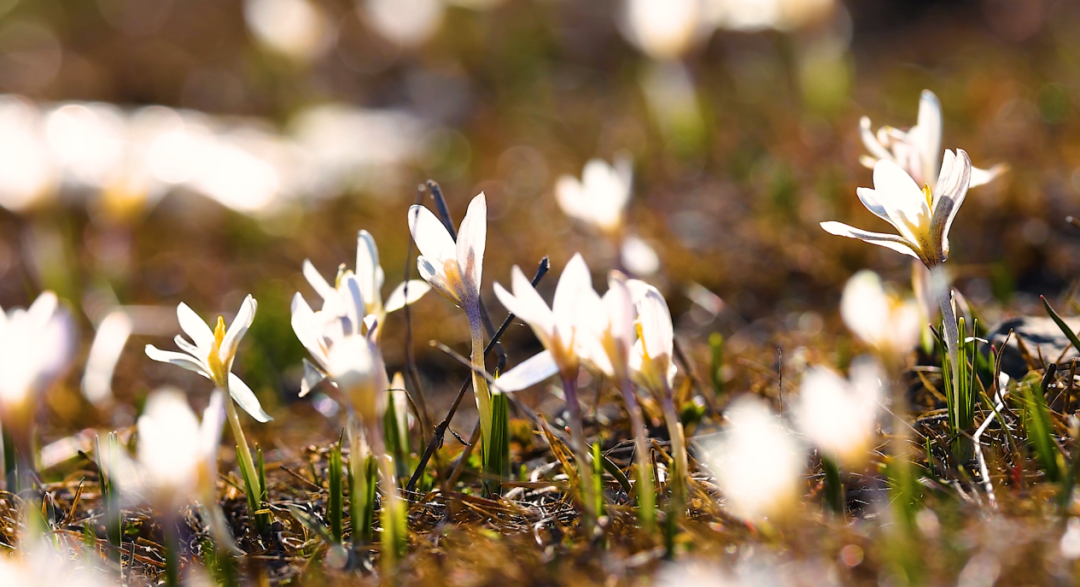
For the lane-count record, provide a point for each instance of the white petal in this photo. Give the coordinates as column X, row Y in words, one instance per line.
column 527, row 305
column 901, row 197
column 238, row 328
column 436, row 279
column 430, row 236
column 571, row 197
column 871, row 142
column 927, row 134
column 326, row 291
column 210, row 428
column 355, row 309
column 186, row 346
column 889, row 241
column 574, row 280
column 952, row 189
column 367, row 265
column 304, row 324
column 178, row 359
column 984, row 176
column 312, row 377
column 194, row 327
column 245, row 398
column 472, row 238
column 621, row 312
column 42, row 309
column 398, row 300
column 656, row 328
column 532, row 371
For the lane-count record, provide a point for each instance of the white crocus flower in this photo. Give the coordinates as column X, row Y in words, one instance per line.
column 917, row 151
column 889, row 324
column 556, row 327
column 663, row 29
column 35, row 346
column 923, row 216
column 758, row 464
column 600, row 196
column 454, row 269
column 840, row 416
column 651, row 357
column 610, row 334
column 177, row 455
column 210, row 353
column 371, row 277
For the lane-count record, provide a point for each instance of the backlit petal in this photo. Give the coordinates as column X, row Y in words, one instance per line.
column 430, row 236
column 194, row 327
column 472, row 238
column 532, row 371
column 245, row 398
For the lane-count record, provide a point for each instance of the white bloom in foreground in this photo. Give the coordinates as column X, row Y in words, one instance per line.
column 889, row 324
column 758, row 464
column 353, row 364
column 454, row 269
column 557, row 327
column 42, row 562
column 840, row 416
column 297, row 29
column 600, row 196
column 923, row 216
column 35, row 347
column 213, row 352
column 177, row 455
column 917, row 151
column 343, row 315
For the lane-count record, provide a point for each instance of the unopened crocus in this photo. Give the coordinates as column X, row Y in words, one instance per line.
column 758, row 464
column 454, row 269
column 838, row 415
column 36, row 345
column 652, row 366
column 607, row 342
column 918, row 150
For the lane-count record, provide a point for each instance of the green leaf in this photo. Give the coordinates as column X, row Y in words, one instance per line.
column 1037, row 423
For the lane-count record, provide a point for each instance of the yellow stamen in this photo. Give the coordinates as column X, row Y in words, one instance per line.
column 217, row 369
column 929, row 195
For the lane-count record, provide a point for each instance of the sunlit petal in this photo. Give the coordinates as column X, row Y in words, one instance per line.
column 472, row 238
column 178, row 359
column 397, row 299
column 195, row 327
column 532, row 371
column 245, row 398
column 430, row 236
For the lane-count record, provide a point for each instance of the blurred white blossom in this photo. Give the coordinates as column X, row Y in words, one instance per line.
column 663, row 29
column 918, row 150
column 838, row 415
column 886, row 322
column 758, row 464
column 755, row 15
column 298, row 29
column 600, row 196
column 36, row 345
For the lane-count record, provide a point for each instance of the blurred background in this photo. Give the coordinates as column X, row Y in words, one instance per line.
column 158, row 151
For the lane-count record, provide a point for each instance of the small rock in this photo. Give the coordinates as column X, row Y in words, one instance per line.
column 1041, row 335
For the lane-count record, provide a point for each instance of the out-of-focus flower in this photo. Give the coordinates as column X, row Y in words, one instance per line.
column 758, row 464
column 638, row 257
column 35, row 347
column 917, row 151
column 601, row 195
column 556, row 327
column 43, row 563
column 453, row 269
column 923, row 217
column 663, row 29
column 755, row 15
column 112, row 334
column 840, row 416
column 28, row 174
column 353, row 308
column 889, row 324
column 213, row 352
column 352, row 365
column 404, row 22
column 177, row 456
column 297, row 29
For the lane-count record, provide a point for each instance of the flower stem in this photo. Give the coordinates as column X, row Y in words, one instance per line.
column 834, row 485
column 172, row 552
column 678, row 447
column 578, row 444
column 243, row 451
column 644, row 488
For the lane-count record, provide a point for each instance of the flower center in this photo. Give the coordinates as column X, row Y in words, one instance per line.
column 217, row 367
